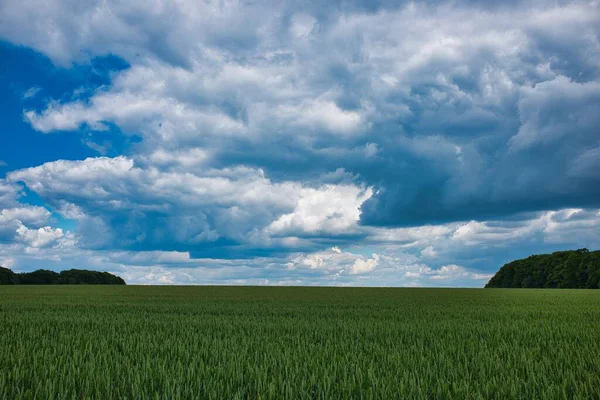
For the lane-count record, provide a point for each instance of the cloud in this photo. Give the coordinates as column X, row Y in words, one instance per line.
column 428, row 252
column 554, row 109
column 13, row 219
column 31, row 92
column 329, row 209
column 8, row 194
column 392, row 269
column 40, row 237
column 549, row 163
column 486, row 246
column 566, row 225
column 102, row 27
column 335, row 261
column 449, row 272
column 121, row 205
column 27, row 214
column 395, row 261
column 7, row 262
column 265, row 137
column 433, row 119
column 23, row 223
column 365, row 266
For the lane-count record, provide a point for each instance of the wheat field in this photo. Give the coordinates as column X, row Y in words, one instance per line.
column 135, row 342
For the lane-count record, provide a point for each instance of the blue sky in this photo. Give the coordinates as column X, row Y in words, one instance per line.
column 365, row 143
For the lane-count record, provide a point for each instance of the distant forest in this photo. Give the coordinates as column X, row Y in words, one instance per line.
column 69, row 277
column 577, row 269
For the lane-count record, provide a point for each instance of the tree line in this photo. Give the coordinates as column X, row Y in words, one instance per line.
column 69, row 277
column 577, row 269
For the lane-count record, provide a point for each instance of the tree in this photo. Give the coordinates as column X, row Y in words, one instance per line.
column 69, row 277
column 39, row 277
column 562, row 269
column 7, row 277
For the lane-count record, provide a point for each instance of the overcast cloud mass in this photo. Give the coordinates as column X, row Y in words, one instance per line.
column 284, row 142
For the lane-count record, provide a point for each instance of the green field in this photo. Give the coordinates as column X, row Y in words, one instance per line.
column 108, row 342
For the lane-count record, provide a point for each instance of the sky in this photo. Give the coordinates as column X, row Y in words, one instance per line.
column 361, row 143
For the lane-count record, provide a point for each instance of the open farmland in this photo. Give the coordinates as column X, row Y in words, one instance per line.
column 307, row 343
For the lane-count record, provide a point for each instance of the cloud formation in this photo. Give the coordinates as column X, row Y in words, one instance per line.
column 462, row 115
column 281, row 130
column 121, row 205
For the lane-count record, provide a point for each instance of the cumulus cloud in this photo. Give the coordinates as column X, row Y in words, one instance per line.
column 31, row 215
column 120, row 204
column 306, row 90
column 486, row 246
column 330, row 209
column 449, row 272
column 23, row 223
column 40, row 237
column 8, row 194
column 335, row 261
column 566, row 225
column 400, row 259
column 393, row 269
column 13, row 219
column 364, row 266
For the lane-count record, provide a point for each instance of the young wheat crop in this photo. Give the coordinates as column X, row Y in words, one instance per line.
column 66, row 342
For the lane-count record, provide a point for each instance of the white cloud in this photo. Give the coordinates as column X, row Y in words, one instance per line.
column 319, row 115
column 8, row 194
column 302, row 25
column 487, row 245
column 364, row 266
column 13, row 219
column 30, row 215
column 40, row 237
column 7, row 262
column 115, row 183
column 429, row 252
column 562, row 225
column 69, row 210
column 381, row 269
column 473, row 232
column 161, row 117
column 187, row 159
column 158, row 29
column 281, row 84
column 334, row 261
column 31, row 92
column 332, row 208
column 186, row 208
column 449, row 272
column 344, row 90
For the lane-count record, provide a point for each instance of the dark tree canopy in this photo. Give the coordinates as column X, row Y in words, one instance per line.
column 7, row 277
column 577, row 269
column 69, row 277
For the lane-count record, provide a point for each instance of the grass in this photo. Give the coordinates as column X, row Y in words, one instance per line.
column 67, row 342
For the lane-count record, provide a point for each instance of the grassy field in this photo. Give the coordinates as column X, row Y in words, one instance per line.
column 66, row 342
